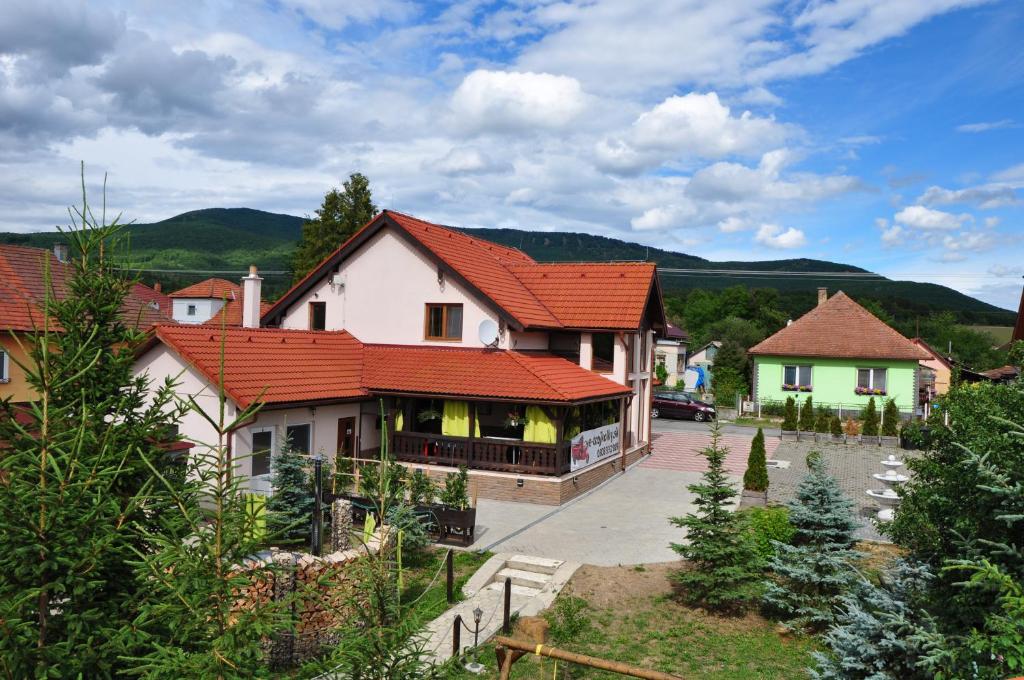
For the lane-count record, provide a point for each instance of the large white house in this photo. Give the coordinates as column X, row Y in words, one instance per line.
column 536, row 376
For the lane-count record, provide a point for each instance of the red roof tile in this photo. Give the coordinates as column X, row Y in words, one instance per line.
column 23, row 290
column 215, row 288
column 270, row 365
column 840, row 328
column 287, row 366
column 610, row 296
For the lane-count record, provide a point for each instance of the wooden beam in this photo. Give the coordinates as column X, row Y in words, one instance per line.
column 581, row 659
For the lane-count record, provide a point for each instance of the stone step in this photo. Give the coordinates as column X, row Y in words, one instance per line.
column 529, row 579
column 540, row 565
column 517, row 591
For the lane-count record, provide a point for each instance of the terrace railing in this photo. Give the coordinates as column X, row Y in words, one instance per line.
column 481, row 453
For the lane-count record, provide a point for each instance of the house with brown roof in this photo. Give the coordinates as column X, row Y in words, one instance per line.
column 535, row 376
column 23, row 294
column 842, row 355
column 214, row 301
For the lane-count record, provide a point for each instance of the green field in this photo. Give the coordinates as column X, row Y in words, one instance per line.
column 1000, row 334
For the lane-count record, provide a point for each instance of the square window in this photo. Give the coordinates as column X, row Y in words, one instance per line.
column 317, row 316
column 796, row 376
column 191, row 310
column 443, row 322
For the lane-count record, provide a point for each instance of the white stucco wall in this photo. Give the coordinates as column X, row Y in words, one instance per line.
column 205, row 309
column 387, row 285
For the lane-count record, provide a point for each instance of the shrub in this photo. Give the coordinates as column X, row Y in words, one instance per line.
column 568, row 619
column 756, row 476
column 662, row 373
column 769, row 525
column 835, row 426
column 421, row 489
column 807, row 416
column 852, row 427
column 789, row 419
column 821, row 423
column 773, row 408
column 870, row 418
column 456, row 489
column 912, row 433
column 891, row 419
column 290, row 509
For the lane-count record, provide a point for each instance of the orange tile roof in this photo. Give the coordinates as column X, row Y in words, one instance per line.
column 271, row 365
column 605, row 296
column 840, row 328
column 210, row 288
column 278, row 366
column 483, row 373
column 23, row 290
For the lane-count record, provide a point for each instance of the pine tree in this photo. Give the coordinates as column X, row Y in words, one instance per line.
column 807, row 416
column 789, row 415
column 835, row 426
column 756, row 476
column 870, row 418
column 821, row 423
column 815, row 568
column 341, row 215
column 725, row 565
column 77, row 496
column 882, row 632
column 290, row 508
column 891, row 420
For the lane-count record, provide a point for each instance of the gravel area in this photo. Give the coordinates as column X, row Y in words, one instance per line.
column 851, row 464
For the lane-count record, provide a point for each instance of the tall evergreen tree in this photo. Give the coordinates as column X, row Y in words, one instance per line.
column 290, row 508
column 789, row 415
column 725, row 564
column 815, row 568
column 870, row 418
column 891, row 418
column 341, row 215
column 756, row 476
column 807, row 416
column 76, row 472
column 822, row 420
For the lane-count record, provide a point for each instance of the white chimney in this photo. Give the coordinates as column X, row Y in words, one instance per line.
column 822, row 295
column 251, row 291
column 60, row 251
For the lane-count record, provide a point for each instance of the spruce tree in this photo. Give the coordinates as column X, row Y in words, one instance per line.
column 815, row 568
column 789, row 415
column 870, row 418
column 341, row 215
column 77, row 498
column 290, row 508
column 807, row 416
column 835, row 426
column 891, row 421
column 756, row 476
column 724, row 571
column 821, row 422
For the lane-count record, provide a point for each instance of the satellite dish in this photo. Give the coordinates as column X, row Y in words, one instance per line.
column 488, row 333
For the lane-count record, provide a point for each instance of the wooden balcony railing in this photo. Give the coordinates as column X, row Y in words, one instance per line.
column 498, row 455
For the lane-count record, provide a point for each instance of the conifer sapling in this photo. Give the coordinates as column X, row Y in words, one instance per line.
column 756, row 476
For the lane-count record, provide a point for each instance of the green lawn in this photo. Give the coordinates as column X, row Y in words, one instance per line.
column 424, row 601
column 757, row 422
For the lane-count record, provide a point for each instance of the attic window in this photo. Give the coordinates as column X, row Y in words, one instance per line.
column 191, row 310
column 443, row 322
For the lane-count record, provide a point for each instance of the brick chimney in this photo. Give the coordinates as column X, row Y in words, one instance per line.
column 251, row 296
column 822, row 295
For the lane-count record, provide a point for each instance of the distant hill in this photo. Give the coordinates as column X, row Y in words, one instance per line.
column 233, row 238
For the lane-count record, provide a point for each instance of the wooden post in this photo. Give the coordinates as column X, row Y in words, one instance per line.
column 450, row 566
column 457, row 636
column 506, row 626
column 581, row 659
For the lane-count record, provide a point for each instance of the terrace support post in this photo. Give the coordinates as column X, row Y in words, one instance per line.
column 471, row 445
column 449, row 560
column 622, row 431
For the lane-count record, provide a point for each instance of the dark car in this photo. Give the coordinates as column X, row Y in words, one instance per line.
column 680, row 405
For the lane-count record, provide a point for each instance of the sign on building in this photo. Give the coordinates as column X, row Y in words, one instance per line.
column 593, row 445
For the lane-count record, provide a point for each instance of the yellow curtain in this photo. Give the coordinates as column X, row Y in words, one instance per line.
column 572, row 425
column 455, row 420
column 399, row 421
column 539, row 427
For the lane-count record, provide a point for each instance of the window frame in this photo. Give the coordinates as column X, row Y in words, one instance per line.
column 270, row 452
column 191, row 310
column 316, row 304
column 5, row 368
column 444, row 307
column 309, row 436
column 872, row 370
column 797, row 367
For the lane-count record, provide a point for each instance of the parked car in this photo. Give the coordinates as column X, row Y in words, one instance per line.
column 680, row 405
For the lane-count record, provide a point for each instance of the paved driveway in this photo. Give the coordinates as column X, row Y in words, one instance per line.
column 624, row 521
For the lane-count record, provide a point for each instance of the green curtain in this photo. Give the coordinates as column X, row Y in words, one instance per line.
column 455, row 420
column 572, row 425
column 539, row 427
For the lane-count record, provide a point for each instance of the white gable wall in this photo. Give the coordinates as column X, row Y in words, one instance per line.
column 387, row 284
column 206, row 308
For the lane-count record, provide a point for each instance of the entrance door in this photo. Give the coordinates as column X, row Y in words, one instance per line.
column 346, row 437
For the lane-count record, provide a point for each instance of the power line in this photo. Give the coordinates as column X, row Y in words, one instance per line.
column 761, row 273
column 240, row 272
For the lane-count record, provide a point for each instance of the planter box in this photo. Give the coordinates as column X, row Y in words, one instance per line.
column 837, row 438
column 789, row 435
column 890, row 441
column 456, row 525
column 869, row 441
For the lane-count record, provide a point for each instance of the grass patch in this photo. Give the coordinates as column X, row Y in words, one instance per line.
column 424, row 602
column 757, row 422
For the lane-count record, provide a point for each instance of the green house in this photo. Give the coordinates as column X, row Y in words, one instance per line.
column 842, row 355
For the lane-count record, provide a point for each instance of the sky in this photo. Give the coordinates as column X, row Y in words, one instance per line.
column 887, row 134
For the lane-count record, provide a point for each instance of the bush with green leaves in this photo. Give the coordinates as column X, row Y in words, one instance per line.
column 290, row 508
column 890, row 418
column 456, row 489
column 725, row 570
column 422, row 489
column 815, row 569
column 769, row 525
column 661, row 373
column 568, row 620
column 912, row 434
column 789, row 415
column 835, row 426
column 870, row 418
column 756, row 476
column 807, row 416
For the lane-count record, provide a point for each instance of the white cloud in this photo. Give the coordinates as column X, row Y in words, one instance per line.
column 336, row 15
column 664, row 217
column 466, row 161
column 731, row 225
column 509, row 101
column 773, row 236
column 986, row 197
column 985, row 127
column 894, row 235
column 760, row 96
column 927, row 219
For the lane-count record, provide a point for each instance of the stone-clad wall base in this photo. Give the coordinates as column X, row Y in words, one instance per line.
column 501, row 486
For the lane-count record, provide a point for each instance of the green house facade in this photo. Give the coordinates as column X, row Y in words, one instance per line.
column 840, row 354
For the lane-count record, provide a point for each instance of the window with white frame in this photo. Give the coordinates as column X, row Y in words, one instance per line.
column 262, row 450
column 796, row 376
column 300, row 437
column 191, row 311
column 5, row 375
column 871, row 380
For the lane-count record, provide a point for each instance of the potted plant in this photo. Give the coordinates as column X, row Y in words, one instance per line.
column 835, row 427
column 890, row 424
column 455, row 519
column 821, row 425
column 789, row 420
column 870, row 418
column 806, row 423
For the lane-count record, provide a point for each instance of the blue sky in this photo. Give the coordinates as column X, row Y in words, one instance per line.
column 888, row 134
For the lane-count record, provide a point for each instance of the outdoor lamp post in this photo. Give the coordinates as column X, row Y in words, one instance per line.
column 475, row 666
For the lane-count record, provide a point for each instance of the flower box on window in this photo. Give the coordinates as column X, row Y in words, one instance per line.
column 867, row 391
column 796, row 388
